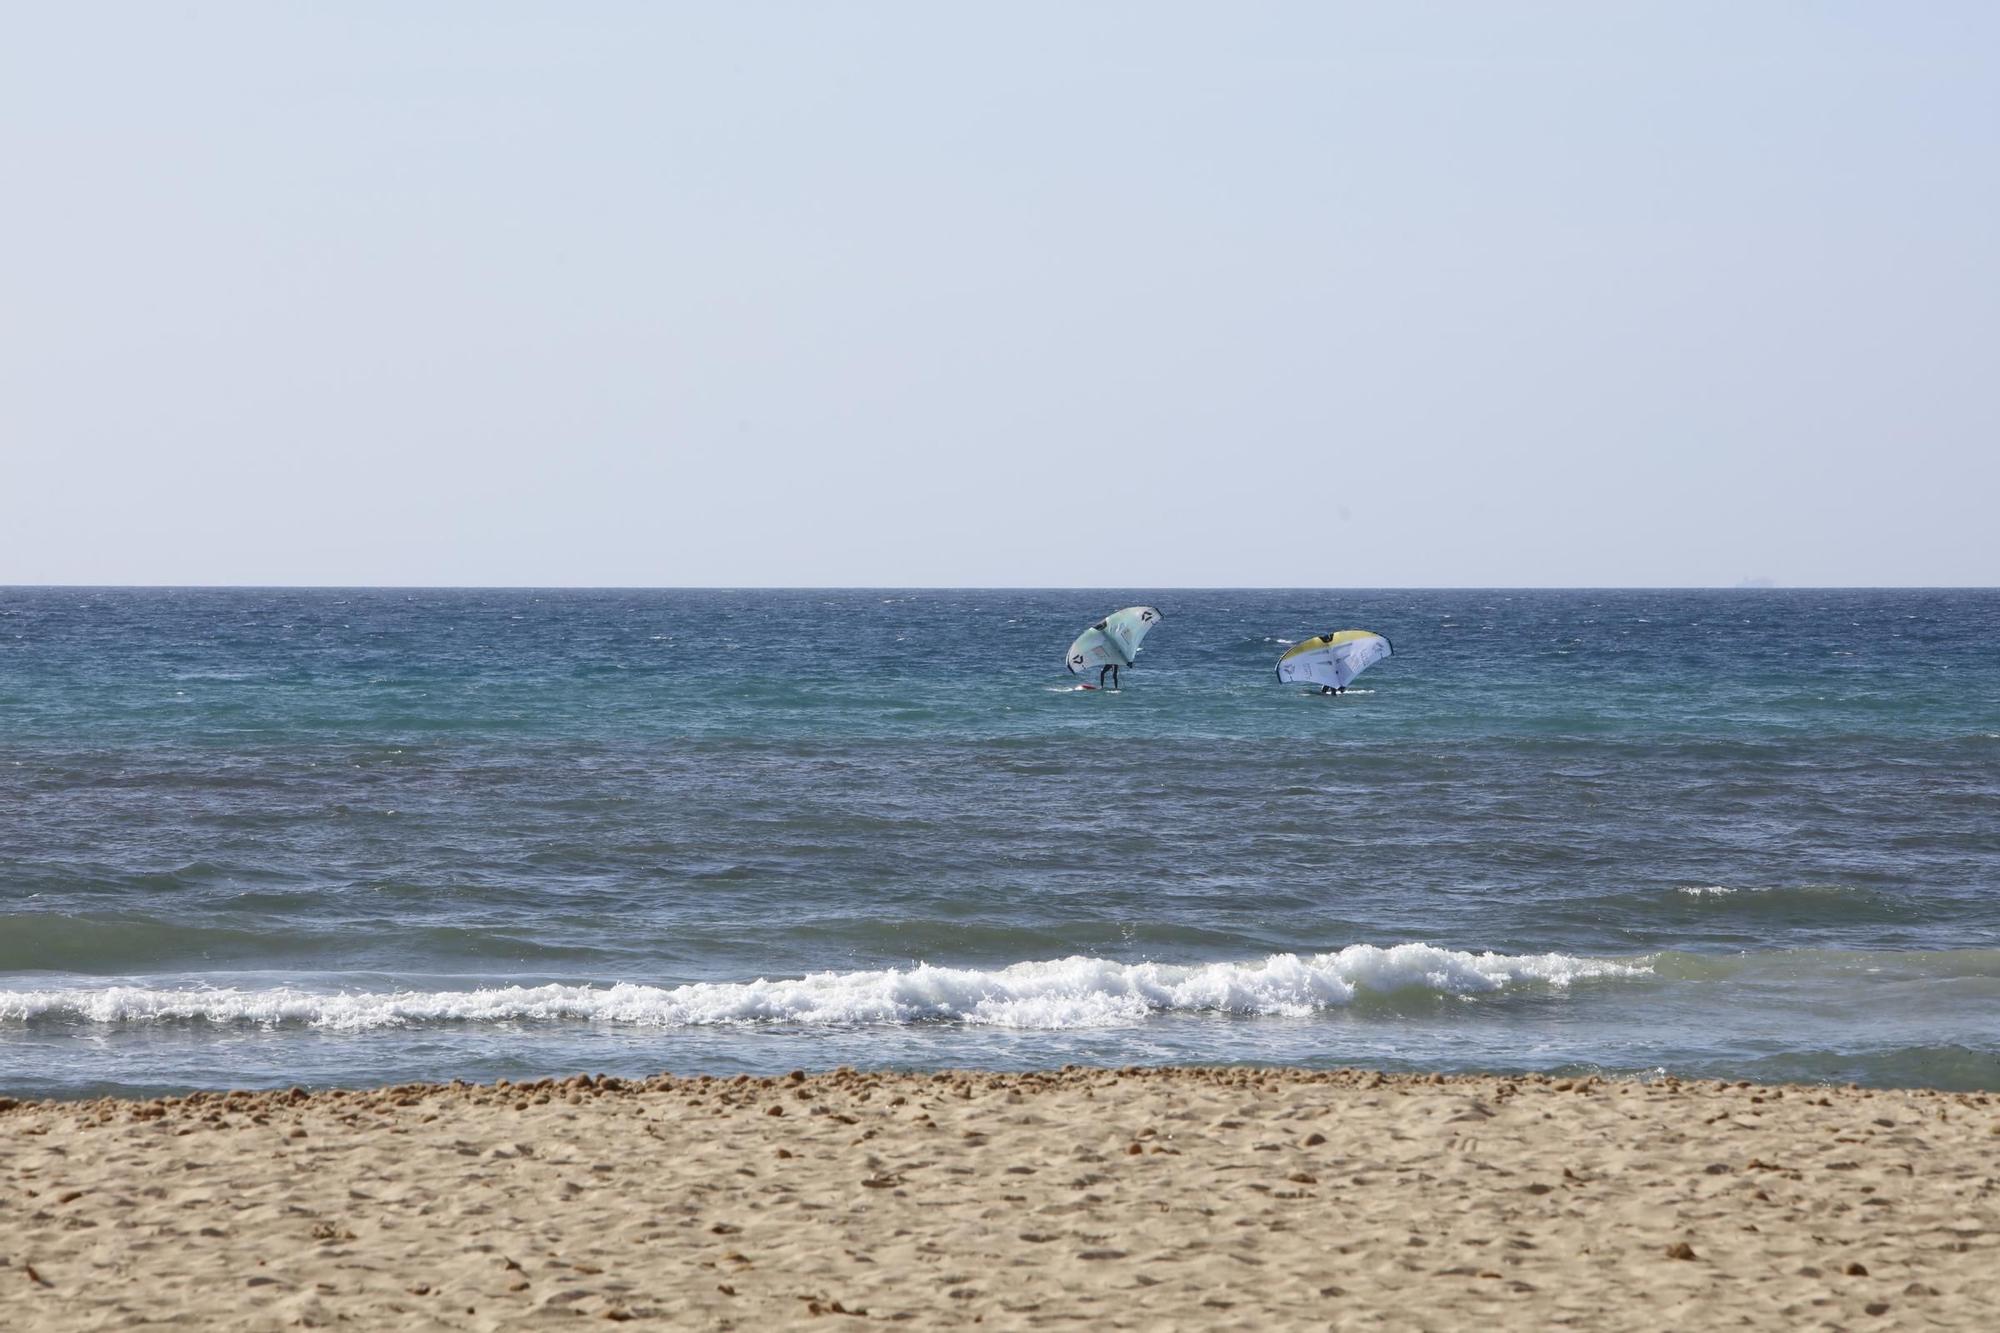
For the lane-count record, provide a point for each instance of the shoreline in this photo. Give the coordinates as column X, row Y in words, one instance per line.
column 1136, row 1197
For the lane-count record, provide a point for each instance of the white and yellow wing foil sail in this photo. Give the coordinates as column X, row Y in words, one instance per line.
column 1333, row 659
column 1112, row 641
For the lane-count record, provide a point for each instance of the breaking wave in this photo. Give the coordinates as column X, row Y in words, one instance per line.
column 1064, row 993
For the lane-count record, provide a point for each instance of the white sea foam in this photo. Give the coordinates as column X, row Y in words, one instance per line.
column 1063, row 993
column 1784, row 891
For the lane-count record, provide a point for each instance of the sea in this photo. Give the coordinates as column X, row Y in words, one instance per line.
column 342, row 837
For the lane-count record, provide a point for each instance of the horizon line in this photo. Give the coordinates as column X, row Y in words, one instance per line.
column 1746, row 586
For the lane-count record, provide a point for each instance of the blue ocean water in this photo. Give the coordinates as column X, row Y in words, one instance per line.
column 256, row 837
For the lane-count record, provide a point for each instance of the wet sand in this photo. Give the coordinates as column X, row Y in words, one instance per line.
column 1086, row 1198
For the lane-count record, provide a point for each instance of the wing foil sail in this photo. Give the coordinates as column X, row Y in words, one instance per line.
column 1333, row 659
column 1112, row 641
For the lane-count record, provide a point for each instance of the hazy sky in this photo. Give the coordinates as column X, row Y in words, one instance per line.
column 872, row 293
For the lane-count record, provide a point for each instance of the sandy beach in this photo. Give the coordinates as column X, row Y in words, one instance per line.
column 1133, row 1198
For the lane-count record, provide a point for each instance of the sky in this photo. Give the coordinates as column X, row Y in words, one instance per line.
column 1159, row 294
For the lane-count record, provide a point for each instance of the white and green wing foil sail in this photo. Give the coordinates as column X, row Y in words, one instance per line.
column 1333, row 659
column 1112, row 641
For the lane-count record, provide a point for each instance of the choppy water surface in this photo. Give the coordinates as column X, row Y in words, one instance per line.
column 253, row 837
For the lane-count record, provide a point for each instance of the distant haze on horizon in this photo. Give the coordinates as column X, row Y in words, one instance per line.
column 1162, row 295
